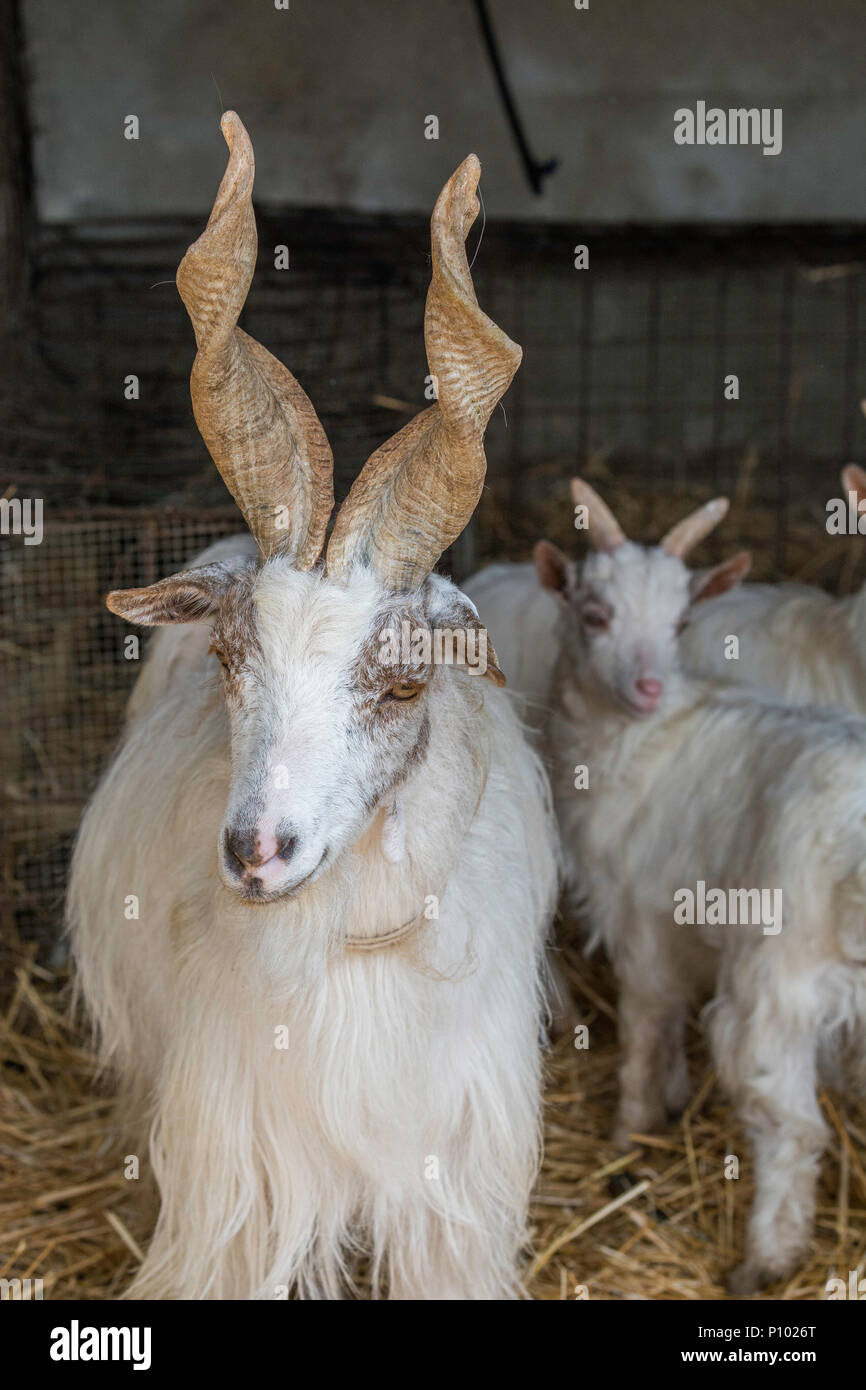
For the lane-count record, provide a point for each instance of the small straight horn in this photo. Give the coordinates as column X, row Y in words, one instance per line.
column 685, row 535
column 854, row 480
column 603, row 530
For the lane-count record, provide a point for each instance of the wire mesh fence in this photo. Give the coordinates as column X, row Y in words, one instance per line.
column 625, row 360
column 623, row 378
column 67, row 672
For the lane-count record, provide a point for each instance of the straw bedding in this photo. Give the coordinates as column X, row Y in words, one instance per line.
column 660, row 1222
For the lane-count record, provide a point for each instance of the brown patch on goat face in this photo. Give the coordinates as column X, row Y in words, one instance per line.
column 397, row 726
column 234, row 638
column 456, row 616
column 422, row 743
column 414, row 758
column 373, row 677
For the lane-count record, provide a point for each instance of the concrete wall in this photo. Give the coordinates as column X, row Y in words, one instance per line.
column 335, row 93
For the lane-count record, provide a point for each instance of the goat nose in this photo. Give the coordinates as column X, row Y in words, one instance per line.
column 649, row 686
column 239, row 846
column 286, row 843
column 251, row 849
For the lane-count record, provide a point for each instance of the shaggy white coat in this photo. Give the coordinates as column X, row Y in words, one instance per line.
column 736, row 790
column 727, row 786
column 399, row 1117
column 795, row 641
column 524, row 623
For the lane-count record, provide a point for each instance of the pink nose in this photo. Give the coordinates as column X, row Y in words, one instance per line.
column 649, row 687
column 266, row 848
column 254, row 853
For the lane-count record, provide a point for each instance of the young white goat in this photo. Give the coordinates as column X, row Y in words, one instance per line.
column 309, row 898
column 794, row 640
column 695, row 791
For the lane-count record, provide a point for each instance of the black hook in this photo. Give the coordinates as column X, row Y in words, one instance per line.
column 535, row 172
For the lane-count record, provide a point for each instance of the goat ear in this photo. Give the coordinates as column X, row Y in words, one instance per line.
column 712, row 582
column 468, row 619
column 854, row 480
column 188, row 597
column 450, row 608
column 492, row 671
column 552, row 566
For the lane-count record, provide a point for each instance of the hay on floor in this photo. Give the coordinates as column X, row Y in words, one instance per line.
column 661, row 1222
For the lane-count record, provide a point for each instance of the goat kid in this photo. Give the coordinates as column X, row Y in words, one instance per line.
column 688, row 783
column 794, row 640
column 310, row 897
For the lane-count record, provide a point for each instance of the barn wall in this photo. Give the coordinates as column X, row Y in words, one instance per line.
column 335, row 94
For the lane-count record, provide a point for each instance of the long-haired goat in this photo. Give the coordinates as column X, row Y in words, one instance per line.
column 337, row 856
column 696, row 793
column 795, row 641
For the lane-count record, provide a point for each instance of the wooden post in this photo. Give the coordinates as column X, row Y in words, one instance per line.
column 16, row 184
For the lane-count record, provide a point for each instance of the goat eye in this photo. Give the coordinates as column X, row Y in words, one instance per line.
column 595, row 618
column 403, row 690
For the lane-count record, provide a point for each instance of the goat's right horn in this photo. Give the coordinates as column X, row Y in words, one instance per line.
column 685, row 535
column 603, row 530
column 416, row 493
column 262, row 432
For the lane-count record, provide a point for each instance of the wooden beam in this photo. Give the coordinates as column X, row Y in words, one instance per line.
column 16, row 182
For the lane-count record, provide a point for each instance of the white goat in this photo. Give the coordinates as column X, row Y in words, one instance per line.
column 794, row 640
column 524, row 620
column 338, row 871
column 692, row 783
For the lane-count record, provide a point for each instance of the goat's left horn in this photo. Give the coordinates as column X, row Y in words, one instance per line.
column 603, row 530
column 417, row 492
column 685, row 535
column 262, row 432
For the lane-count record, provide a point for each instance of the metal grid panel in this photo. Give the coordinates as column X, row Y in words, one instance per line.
column 625, row 361
column 65, row 683
column 623, row 370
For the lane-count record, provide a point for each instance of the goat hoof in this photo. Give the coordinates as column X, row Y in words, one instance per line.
column 621, row 1137
column 676, row 1099
column 747, row 1279
column 621, row 1182
column 623, row 1130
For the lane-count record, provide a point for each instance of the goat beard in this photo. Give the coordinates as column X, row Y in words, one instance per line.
column 394, row 832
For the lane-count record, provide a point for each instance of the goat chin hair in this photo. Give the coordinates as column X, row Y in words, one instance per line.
column 400, row 1122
